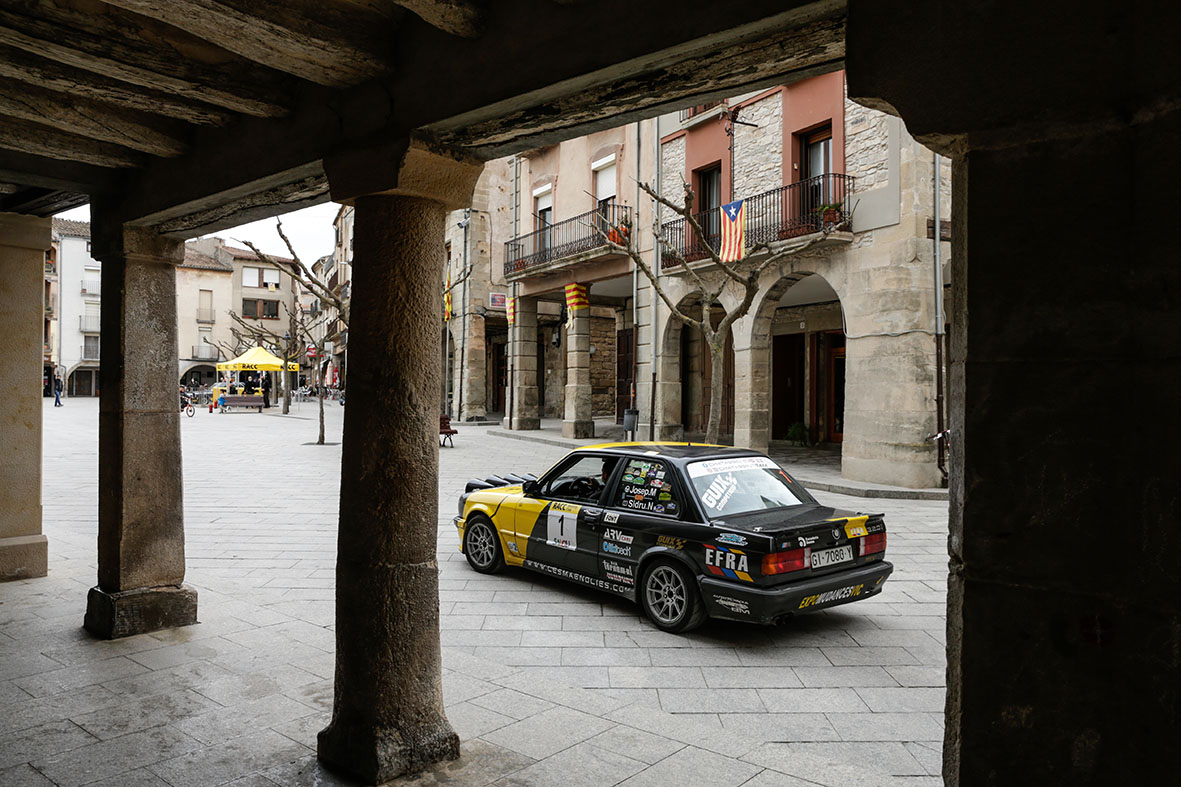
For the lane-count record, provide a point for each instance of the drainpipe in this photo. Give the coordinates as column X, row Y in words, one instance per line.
column 464, row 272
column 939, row 320
column 636, row 282
column 656, row 177
column 512, row 342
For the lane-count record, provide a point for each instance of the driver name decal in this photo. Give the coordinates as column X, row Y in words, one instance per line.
column 564, row 573
column 562, row 525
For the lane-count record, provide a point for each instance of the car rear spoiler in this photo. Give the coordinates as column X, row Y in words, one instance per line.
column 493, row 481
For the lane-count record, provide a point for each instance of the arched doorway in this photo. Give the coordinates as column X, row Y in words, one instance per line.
column 199, row 375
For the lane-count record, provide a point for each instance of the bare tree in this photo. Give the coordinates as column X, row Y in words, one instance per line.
column 710, row 279
column 303, row 325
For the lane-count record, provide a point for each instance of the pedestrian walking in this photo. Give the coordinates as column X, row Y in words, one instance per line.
column 266, row 390
column 57, row 390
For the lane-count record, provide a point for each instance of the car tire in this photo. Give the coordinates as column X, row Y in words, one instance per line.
column 481, row 546
column 669, row 597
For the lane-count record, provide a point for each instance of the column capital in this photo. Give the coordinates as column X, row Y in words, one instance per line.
column 19, row 231
column 111, row 240
column 410, row 167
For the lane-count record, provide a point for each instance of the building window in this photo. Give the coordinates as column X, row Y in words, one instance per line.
column 257, row 309
column 543, row 209
column 707, row 183
column 270, row 310
column 90, row 348
column 815, row 163
column 250, row 277
column 270, row 276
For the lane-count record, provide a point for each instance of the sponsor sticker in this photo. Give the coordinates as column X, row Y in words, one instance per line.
column 512, row 547
column 611, row 534
column 724, row 562
column 612, row 548
column 669, row 541
column 594, row 582
column 840, row 594
column 736, row 605
column 731, row 538
column 804, row 541
column 711, row 466
column 610, row 517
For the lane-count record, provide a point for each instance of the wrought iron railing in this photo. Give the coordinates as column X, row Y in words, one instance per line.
column 786, row 212
column 206, row 315
column 204, row 352
column 573, row 236
column 89, row 323
column 699, row 109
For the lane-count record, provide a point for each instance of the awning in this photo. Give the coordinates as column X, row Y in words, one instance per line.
column 256, row 359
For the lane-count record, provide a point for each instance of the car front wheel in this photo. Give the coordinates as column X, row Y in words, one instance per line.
column 481, row 546
column 670, row 599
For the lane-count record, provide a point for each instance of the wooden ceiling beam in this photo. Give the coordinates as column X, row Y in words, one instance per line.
column 317, row 40
column 41, row 202
column 27, row 170
column 92, row 119
column 20, row 65
column 462, row 18
column 38, row 140
column 140, row 51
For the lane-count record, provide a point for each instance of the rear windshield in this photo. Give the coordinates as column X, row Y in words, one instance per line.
column 742, row 484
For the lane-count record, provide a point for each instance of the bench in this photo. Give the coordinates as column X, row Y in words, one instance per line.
column 241, row 400
column 446, row 432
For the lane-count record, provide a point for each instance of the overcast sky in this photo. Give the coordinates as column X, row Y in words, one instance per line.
column 310, row 231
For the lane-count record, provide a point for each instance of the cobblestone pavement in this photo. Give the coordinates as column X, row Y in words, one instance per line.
column 546, row 682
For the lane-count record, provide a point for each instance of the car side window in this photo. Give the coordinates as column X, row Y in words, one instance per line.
column 581, row 479
column 647, row 486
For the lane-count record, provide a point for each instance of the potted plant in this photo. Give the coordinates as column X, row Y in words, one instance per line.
column 830, row 213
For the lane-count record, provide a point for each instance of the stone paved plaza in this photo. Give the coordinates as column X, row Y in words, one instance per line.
column 546, row 683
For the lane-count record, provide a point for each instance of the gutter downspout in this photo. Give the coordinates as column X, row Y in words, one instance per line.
column 939, row 320
column 636, row 282
column 512, row 342
column 465, row 273
column 657, row 169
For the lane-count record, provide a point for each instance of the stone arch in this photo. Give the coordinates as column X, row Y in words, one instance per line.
column 189, row 366
column 756, row 378
column 672, row 397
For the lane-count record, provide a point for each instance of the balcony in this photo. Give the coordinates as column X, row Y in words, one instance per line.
column 204, row 352
column 51, row 307
column 92, row 287
column 206, row 315
column 562, row 242
column 691, row 112
column 50, row 268
column 89, row 323
column 801, row 208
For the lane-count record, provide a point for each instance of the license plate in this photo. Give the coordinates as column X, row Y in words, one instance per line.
column 830, row 557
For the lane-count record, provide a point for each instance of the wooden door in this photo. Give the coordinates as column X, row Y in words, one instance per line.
column 624, row 371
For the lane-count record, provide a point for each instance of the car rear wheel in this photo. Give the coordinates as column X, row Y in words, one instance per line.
column 481, row 546
column 670, row 599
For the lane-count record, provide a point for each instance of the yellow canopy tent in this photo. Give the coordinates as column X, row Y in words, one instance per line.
column 256, row 359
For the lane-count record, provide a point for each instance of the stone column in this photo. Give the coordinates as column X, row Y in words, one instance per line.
column 752, row 397
column 23, row 242
column 475, row 374
column 577, row 422
column 523, row 360
column 1063, row 616
column 141, row 539
column 387, row 715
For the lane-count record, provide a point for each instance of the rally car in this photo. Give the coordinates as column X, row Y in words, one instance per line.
column 688, row 531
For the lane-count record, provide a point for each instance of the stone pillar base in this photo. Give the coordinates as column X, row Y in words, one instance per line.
column 578, row 429
column 375, row 755
column 23, row 557
column 670, row 432
column 139, row 611
column 523, row 424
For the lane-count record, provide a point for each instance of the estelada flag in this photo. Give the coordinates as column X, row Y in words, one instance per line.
column 511, row 310
column 576, row 297
column 447, row 299
column 733, row 231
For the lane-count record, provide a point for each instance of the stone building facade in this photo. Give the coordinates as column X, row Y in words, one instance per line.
column 838, row 347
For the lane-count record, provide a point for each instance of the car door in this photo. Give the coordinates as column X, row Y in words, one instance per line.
column 643, row 509
column 564, row 534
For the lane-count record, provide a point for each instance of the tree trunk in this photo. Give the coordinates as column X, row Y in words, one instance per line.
column 285, row 385
column 717, row 389
column 320, row 395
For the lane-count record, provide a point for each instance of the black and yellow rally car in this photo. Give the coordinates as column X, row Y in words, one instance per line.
column 689, row 531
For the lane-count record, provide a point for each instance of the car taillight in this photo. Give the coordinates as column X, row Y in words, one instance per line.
column 875, row 542
column 785, row 562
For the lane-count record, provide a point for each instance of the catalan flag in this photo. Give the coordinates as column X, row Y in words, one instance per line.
column 511, row 310
column 733, row 231
column 447, row 299
column 576, row 297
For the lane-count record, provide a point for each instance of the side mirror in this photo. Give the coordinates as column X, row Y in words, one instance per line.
column 529, row 487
